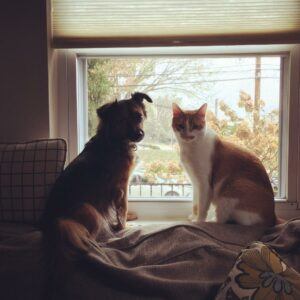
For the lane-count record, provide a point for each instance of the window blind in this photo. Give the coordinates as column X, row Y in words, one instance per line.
column 117, row 23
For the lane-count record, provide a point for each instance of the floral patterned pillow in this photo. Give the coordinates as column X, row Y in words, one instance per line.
column 260, row 274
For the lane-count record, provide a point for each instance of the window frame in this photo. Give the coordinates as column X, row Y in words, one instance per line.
column 72, row 65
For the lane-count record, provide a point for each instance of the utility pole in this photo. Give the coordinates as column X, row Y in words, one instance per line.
column 256, row 111
column 216, row 107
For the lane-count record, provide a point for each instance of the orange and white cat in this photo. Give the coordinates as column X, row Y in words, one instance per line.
column 231, row 178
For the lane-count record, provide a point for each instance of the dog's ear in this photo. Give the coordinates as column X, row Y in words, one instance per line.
column 139, row 97
column 105, row 110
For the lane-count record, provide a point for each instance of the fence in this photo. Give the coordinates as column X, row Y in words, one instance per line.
column 143, row 190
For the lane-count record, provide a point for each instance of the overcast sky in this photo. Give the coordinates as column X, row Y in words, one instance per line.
column 229, row 76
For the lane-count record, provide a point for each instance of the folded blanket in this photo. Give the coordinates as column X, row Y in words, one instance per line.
column 178, row 261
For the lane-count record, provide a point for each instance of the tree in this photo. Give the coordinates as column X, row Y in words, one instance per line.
column 257, row 132
column 110, row 79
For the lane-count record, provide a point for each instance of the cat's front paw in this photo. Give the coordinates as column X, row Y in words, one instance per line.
column 199, row 220
column 195, row 219
column 192, row 218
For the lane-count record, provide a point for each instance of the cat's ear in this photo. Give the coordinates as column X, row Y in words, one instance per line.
column 202, row 110
column 176, row 110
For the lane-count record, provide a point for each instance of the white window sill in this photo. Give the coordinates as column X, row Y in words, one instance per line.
column 170, row 210
column 140, row 223
column 181, row 199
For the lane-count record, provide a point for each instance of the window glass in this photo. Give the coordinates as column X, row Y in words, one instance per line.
column 243, row 96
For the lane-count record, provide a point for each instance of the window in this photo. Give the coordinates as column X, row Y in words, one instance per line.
column 252, row 94
column 243, row 96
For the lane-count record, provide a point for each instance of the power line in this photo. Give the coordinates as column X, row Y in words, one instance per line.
column 193, row 73
column 191, row 82
column 224, row 66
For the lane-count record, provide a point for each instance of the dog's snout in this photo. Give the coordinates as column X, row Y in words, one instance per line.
column 138, row 135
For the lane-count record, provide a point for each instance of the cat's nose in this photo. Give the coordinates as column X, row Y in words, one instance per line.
column 188, row 137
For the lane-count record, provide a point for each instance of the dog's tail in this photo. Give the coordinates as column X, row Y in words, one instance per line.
column 279, row 221
column 73, row 237
column 66, row 238
column 83, row 228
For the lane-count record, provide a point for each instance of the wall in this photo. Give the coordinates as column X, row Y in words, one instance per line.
column 24, row 109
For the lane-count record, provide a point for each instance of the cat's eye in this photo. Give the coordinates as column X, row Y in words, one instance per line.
column 180, row 127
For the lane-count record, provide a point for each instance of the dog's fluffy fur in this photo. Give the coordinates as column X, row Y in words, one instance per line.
column 92, row 190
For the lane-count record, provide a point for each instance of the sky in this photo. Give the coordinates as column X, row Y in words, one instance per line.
column 227, row 77
column 221, row 78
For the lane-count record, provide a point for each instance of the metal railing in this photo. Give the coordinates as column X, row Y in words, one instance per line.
column 160, row 190
column 147, row 190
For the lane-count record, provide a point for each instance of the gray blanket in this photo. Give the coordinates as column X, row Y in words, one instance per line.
column 178, row 261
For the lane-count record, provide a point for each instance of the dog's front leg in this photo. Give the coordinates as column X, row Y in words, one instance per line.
column 131, row 216
column 121, row 201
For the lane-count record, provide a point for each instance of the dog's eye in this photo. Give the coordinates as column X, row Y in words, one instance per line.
column 138, row 117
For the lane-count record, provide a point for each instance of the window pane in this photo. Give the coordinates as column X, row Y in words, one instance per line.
column 243, row 96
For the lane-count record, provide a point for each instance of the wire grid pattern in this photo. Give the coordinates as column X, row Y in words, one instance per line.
column 27, row 172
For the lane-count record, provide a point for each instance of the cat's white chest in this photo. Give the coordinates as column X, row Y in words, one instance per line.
column 197, row 157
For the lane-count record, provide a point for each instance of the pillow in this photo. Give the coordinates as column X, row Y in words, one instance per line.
column 27, row 173
column 260, row 274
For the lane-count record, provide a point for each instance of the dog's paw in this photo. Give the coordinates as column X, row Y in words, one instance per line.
column 131, row 216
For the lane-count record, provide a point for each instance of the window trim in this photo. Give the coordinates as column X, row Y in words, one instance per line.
column 70, row 95
column 284, row 81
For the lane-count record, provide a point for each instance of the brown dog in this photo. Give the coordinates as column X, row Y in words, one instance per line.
column 93, row 188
